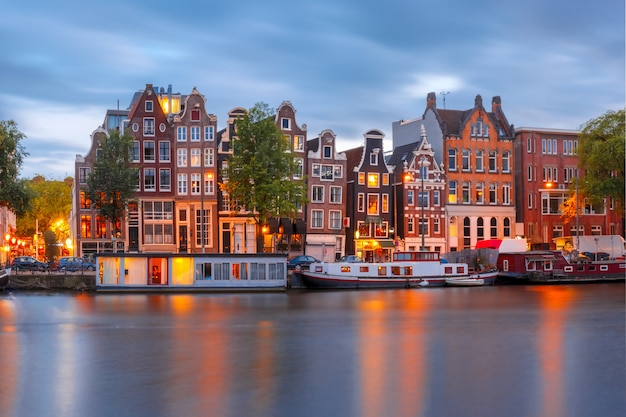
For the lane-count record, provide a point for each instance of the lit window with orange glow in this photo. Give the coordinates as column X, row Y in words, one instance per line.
column 373, row 180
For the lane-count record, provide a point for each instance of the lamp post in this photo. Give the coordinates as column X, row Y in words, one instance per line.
column 424, row 164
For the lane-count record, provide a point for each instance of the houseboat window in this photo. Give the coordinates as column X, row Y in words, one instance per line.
column 240, row 271
column 396, row 270
column 592, row 268
column 203, row 271
column 604, row 267
column 222, row 271
column 345, row 269
column 364, row 269
column 448, row 270
column 505, row 265
column 257, row 271
column 382, row 270
column 530, row 266
column 408, row 270
column 547, row 266
column 277, row 271
column 460, row 269
column 580, row 268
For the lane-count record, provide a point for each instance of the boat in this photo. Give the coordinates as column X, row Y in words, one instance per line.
column 465, row 282
column 189, row 272
column 558, row 266
column 405, row 270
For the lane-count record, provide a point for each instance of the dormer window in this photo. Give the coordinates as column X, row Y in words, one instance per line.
column 327, row 152
column 285, row 123
column 149, row 106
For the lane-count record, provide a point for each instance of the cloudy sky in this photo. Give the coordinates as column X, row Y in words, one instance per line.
column 346, row 65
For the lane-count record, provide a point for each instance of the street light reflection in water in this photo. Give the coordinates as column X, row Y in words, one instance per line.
column 487, row 351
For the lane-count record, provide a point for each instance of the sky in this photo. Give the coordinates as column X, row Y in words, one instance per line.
column 346, row 65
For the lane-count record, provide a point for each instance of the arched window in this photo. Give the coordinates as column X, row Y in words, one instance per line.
column 467, row 232
column 507, row 227
column 480, row 228
column 494, row 227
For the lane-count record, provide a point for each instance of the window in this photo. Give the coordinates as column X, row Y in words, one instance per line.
column 195, row 184
column 285, row 123
column 507, row 227
column 326, row 172
column 165, row 180
column 135, row 152
column 506, row 194
column 298, row 143
column 327, row 152
column 83, row 174
column 436, row 227
column 361, row 178
column 436, row 201
column 374, row 158
column 452, row 159
column 85, row 202
column 182, row 157
column 334, row 219
column 335, row 195
column 195, row 133
column 85, row 226
column 385, row 203
column 410, row 225
column 209, row 133
column 209, row 157
column 373, row 180
column 149, row 105
column 493, row 167
column 480, row 193
column 195, row 157
column 181, row 134
column 506, row 162
column 182, row 184
column 317, row 219
column 164, row 151
column 299, row 173
column 338, row 171
column 195, row 115
column 422, row 199
column 203, row 227
column 480, row 228
column 466, row 193
column 529, row 173
column 148, row 126
column 317, row 194
column 493, row 187
column 494, row 227
column 372, row 203
column 410, row 197
column 465, row 160
column 361, row 202
column 315, row 170
column 148, row 151
column 385, row 179
column 452, row 192
column 480, row 161
column 149, row 180
column 209, row 183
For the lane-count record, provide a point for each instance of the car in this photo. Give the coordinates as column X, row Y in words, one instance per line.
column 350, row 258
column 301, row 260
column 74, row 263
column 28, row 263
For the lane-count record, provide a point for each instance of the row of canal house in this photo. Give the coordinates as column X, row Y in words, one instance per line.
column 450, row 181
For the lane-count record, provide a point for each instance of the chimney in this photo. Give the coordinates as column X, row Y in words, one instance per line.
column 496, row 104
column 431, row 101
column 478, row 101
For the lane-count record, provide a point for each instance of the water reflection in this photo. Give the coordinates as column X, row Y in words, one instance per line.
column 493, row 351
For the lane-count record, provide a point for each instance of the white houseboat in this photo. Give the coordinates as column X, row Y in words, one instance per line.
column 126, row 272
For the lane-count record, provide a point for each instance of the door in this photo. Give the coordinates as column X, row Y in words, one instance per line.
column 182, row 239
column 133, row 239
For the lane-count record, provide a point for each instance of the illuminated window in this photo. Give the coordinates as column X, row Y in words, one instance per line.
column 373, row 180
column 372, row 203
column 361, row 178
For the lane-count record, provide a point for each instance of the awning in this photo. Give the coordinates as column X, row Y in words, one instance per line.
column 287, row 225
column 489, row 244
column 373, row 219
column 299, row 227
column 273, row 224
column 386, row 243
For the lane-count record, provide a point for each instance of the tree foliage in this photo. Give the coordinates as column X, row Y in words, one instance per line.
column 112, row 184
column 261, row 169
column 51, row 201
column 13, row 191
column 601, row 157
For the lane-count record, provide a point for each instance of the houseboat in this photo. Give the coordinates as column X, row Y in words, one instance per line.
column 405, row 270
column 127, row 272
column 557, row 266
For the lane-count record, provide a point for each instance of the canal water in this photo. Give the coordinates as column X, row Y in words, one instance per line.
column 536, row 351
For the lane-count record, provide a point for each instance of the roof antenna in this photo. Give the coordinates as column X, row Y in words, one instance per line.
column 444, row 94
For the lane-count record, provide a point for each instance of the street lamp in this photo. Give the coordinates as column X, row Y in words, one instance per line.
column 424, row 164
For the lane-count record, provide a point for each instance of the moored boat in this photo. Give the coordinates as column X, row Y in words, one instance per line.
column 556, row 267
column 4, row 278
column 405, row 270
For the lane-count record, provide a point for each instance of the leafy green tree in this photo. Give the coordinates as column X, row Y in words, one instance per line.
column 601, row 147
column 51, row 202
column 113, row 181
column 13, row 191
column 261, row 170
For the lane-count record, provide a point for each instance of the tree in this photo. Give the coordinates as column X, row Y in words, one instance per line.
column 113, row 181
column 261, row 170
column 13, row 191
column 51, row 201
column 601, row 157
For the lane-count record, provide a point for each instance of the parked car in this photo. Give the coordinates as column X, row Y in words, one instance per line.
column 74, row 263
column 350, row 258
column 28, row 263
column 300, row 260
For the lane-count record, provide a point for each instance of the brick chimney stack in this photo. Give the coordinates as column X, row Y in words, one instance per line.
column 496, row 104
column 431, row 101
